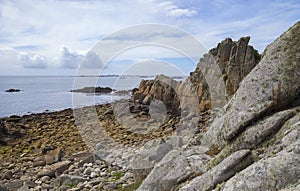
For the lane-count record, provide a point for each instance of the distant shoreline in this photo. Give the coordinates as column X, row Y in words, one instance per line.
column 103, row 76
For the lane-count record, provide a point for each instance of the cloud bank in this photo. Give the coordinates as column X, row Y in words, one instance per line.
column 58, row 34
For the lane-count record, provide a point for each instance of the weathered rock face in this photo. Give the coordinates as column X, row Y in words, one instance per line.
column 254, row 141
column 161, row 88
column 234, row 60
column 271, row 86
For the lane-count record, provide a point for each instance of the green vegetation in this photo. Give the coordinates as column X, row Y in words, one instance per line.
column 257, row 56
column 117, row 175
column 4, row 149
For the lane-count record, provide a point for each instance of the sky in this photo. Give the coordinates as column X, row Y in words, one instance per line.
column 61, row 37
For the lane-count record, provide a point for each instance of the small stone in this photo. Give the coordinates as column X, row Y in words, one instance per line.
column 7, row 175
column 46, row 172
column 85, row 161
column 2, row 188
column 97, row 170
column 39, row 163
column 103, row 174
column 11, row 166
column 27, row 159
column 81, row 154
column 94, row 175
column 69, row 179
column 87, row 171
column 45, row 178
column 60, row 167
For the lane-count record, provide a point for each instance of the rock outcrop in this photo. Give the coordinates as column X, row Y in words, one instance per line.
column 234, row 60
column 253, row 143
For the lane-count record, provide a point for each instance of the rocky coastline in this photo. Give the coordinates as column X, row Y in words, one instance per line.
column 170, row 135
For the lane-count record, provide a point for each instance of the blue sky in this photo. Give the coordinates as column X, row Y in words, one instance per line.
column 53, row 37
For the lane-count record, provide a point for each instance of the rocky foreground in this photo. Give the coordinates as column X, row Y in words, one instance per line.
column 173, row 135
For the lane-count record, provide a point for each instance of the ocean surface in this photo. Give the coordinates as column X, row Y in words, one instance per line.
column 52, row 93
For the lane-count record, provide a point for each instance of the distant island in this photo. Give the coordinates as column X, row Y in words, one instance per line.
column 93, row 90
column 13, row 90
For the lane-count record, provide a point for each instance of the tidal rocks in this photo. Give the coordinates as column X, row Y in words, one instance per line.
column 93, row 90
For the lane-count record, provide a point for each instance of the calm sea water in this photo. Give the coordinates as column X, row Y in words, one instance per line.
column 40, row 93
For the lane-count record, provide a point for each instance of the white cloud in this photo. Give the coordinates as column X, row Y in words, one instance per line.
column 174, row 11
column 34, row 61
column 92, row 60
column 69, row 58
column 13, row 59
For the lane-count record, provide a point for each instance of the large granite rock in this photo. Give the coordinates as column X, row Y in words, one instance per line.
column 234, row 59
column 162, row 88
column 272, row 173
column 222, row 172
column 165, row 176
column 271, row 86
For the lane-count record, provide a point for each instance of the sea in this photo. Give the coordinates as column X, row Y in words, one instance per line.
column 52, row 93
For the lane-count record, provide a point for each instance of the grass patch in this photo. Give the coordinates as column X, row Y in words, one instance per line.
column 4, row 149
column 117, row 175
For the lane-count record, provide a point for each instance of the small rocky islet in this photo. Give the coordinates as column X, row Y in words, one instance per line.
column 12, row 90
column 93, row 90
column 247, row 139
